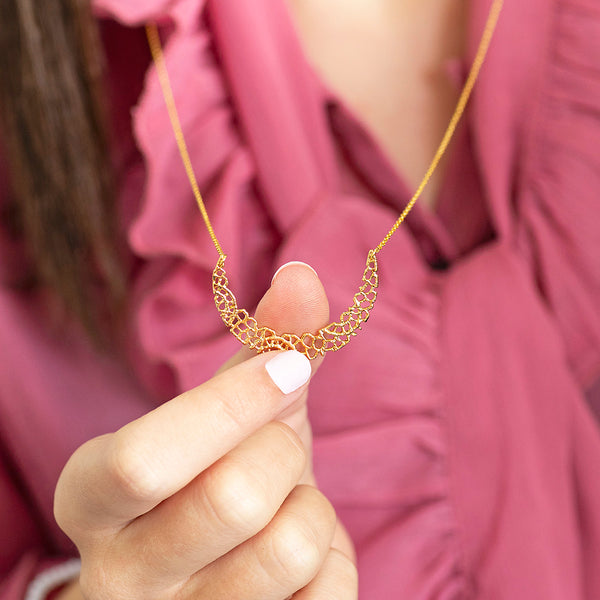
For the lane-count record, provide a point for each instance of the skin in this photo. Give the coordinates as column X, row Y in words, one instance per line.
column 212, row 495
column 386, row 60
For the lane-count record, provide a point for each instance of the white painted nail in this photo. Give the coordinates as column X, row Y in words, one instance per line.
column 293, row 262
column 289, row 370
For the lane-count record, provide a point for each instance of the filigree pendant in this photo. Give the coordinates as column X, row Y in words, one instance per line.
column 328, row 339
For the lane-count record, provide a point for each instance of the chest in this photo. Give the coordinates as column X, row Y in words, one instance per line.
column 387, row 61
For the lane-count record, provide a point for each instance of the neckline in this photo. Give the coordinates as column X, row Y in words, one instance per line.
column 422, row 220
column 389, row 186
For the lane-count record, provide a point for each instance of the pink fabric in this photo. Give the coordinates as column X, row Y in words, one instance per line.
column 453, row 435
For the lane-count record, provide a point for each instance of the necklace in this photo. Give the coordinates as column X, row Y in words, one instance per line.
column 338, row 333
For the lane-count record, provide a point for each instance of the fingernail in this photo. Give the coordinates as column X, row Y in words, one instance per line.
column 289, row 370
column 293, row 262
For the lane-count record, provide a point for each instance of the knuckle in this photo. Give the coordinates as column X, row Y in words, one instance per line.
column 68, row 504
column 130, row 471
column 321, row 508
column 63, row 516
column 61, row 507
column 297, row 552
column 237, row 500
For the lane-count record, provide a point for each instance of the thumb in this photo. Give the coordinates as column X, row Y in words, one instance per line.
column 295, row 303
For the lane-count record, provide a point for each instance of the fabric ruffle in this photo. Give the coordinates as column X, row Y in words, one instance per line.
column 539, row 158
column 560, row 182
column 535, row 117
column 376, row 409
column 180, row 335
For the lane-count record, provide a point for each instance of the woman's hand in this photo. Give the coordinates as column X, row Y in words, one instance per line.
column 206, row 497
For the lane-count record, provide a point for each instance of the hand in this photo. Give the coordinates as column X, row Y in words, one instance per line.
column 209, row 496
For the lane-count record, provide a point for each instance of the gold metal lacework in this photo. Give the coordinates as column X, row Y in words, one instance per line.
column 337, row 334
column 328, row 339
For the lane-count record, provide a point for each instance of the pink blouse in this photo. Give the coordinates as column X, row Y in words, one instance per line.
column 453, row 435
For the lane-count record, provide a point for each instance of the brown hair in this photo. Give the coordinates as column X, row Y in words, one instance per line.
column 54, row 131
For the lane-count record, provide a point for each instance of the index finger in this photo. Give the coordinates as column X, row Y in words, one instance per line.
column 151, row 458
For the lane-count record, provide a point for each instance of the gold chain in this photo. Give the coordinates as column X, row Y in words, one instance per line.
column 337, row 334
column 486, row 38
column 165, row 84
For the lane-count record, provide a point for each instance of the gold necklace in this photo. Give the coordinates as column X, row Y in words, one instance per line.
column 337, row 334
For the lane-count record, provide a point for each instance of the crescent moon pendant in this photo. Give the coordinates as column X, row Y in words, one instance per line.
column 328, row 339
